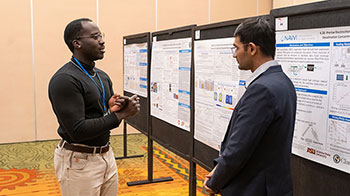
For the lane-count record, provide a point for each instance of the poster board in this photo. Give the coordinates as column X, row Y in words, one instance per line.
column 218, row 84
column 170, row 89
column 317, row 35
column 136, row 60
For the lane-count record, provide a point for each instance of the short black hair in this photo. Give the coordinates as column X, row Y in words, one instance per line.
column 260, row 32
column 72, row 30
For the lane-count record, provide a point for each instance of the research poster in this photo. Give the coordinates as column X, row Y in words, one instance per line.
column 318, row 63
column 218, row 86
column 170, row 81
column 135, row 69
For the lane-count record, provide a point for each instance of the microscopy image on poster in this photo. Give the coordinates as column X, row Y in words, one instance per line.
column 170, row 81
column 135, row 69
column 218, row 86
column 318, row 63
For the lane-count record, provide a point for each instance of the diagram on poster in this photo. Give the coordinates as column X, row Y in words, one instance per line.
column 218, row 86
column 318, row 63
column 135, row 69
column 170, row 81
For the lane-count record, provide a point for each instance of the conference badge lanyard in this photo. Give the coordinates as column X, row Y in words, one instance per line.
column 103, row 88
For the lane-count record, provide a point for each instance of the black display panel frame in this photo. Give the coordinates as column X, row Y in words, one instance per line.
column 203, row 154
column 141, row 120
column 171, row 137
column 311, row 178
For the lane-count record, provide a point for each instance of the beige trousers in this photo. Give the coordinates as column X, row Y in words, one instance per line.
column 86, row 174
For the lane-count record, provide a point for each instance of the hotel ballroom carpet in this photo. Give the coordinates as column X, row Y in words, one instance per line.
column 26, row 169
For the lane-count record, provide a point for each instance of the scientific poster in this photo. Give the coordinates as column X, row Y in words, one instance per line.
column 170, row 81
column 218, row 86
column 135, row 69
column 318, row 63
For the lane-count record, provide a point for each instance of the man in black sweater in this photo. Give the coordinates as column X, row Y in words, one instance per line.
column 86, row 109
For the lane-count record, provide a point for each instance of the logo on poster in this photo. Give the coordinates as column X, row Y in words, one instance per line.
column 311, row 150
column 288, row 38
column 336, row 158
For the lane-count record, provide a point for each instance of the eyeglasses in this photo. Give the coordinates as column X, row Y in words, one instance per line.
column 234, row 48
column 98, row 36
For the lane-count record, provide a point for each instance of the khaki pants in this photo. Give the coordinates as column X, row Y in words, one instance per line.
column 86, row 174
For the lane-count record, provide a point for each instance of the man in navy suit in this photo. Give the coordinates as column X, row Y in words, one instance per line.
column 255, row 152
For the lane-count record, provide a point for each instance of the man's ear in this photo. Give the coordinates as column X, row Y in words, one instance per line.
column 253, row 48
column 76, row 43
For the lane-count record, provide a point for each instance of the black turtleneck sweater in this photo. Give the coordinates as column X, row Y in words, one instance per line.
column 77, row 103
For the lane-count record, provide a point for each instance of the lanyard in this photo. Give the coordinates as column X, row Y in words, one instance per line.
column 103, row 88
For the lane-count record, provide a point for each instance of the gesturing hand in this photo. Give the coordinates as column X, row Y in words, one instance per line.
column 131, row 108
column 117, row 102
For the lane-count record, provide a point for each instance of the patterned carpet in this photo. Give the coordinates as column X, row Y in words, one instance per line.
column 26, row 169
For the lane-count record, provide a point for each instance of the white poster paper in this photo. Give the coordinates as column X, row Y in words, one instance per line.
column 218, row 86
column 318, row 63
column 170, row 81
column 135, row 69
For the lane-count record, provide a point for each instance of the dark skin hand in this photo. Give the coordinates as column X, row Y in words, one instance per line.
column 131, row 107
column 117, row 102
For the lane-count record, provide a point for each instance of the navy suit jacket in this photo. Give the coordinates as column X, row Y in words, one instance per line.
column 255, row 152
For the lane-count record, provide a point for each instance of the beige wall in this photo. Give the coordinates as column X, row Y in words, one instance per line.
column 50, row 19
column 221, row 10
column 26, row 113
column 285, row 3
column 16, row 83
column 181, row 13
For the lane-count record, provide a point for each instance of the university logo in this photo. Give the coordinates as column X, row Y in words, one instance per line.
column 311, row 150
column 336, row 158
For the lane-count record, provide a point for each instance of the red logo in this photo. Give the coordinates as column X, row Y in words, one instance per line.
column 310, row 150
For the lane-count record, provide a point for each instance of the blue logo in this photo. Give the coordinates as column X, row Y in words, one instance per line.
column 288, row 38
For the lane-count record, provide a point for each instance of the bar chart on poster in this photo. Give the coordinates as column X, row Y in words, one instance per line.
column 218, row 86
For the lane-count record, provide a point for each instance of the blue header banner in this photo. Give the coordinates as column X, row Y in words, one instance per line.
column 184, row 92
column 184, row 105
column 341, row 44
column 306, row 90
column 304, row 45
column 185, row 68
column 341, row 118
column 185, row 51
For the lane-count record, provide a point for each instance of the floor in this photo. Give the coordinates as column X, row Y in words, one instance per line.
column 26, row 169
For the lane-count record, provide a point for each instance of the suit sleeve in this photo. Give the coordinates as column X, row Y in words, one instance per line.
column 255, row 114
column 68, row 104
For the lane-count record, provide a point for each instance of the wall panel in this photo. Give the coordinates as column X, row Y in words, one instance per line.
column 264, row 7
column 286, row 3
column 50, row 19
column 297, row 2
column 222, row 10
column 16, row 83
column 118, row 19
column 172, row 14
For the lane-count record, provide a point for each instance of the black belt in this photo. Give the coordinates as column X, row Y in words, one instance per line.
column 84, row 149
